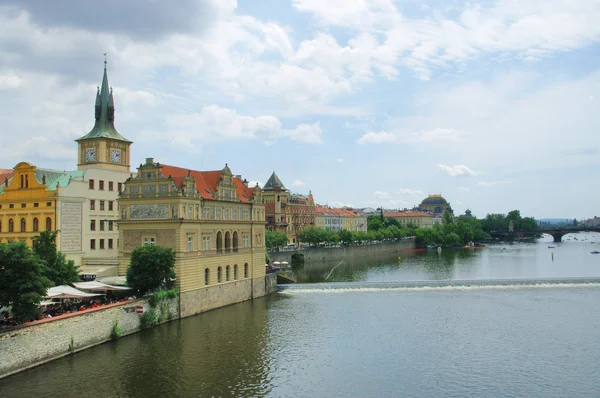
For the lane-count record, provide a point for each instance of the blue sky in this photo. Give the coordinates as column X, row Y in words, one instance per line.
column 494, row 104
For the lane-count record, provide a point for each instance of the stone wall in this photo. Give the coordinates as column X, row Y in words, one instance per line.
column 341, row 253
column 27, row 347
column 270, row 283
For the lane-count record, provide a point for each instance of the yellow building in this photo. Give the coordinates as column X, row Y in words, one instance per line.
column 213, row 221
column 416, row 218
column 28, row 202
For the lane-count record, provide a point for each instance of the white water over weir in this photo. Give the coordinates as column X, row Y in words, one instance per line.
column 440, row 285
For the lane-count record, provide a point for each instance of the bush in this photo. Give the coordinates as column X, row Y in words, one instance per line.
column 148, row 319
column 116, row 331
column 162, row 295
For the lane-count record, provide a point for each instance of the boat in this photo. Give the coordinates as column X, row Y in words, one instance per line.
column 595, row 252
column 551, row 247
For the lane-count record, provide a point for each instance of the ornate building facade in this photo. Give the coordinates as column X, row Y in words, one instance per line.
column 212, row 220
column 287, row 212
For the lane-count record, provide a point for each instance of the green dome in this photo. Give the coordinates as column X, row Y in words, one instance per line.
column 434, row 200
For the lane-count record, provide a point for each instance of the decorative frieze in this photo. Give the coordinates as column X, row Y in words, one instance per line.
column 149, row 211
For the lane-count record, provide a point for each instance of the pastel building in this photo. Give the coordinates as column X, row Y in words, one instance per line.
column 416, row 218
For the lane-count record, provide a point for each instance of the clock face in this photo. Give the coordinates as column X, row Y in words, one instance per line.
column 115, row 156
column 90, row 155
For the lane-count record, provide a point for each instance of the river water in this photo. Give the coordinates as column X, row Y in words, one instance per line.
column 506, row 321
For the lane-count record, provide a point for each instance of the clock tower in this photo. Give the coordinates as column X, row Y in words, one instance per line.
column 103, row 147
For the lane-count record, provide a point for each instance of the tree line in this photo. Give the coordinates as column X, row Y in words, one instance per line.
column 453, row 231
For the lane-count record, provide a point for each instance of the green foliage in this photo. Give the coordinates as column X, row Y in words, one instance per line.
column 151, row 268
column 72, row 345
column 57, row 268
column 500, row 222
column 162, row 295
column 374, row 223
column 267, row 259
column 274, row 239
column 148, row 319
column 22, row 281
column 116, row 330
column 345, row 236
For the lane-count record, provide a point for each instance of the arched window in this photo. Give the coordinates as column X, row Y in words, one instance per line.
column 219, row 242
column 0, row 225
column 48, row 224
column 227, row 241
column 219, row 275
column 227, row 273
column 22, row 181
column 26, row 180
column 36, row 225
column 11, row 225
column 246, row 270
column 235, row 241
column 234, row 271
column 23, row 225
column 206, row 276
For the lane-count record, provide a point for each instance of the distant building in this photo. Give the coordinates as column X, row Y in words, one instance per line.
column 435, row 204
column 287, row 212
column 417, row 218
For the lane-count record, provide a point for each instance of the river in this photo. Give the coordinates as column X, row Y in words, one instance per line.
column 505, row 321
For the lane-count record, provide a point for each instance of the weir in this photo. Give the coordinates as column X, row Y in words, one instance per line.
column 343, row 287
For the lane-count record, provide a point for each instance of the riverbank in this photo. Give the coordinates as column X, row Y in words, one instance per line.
column 343, row 252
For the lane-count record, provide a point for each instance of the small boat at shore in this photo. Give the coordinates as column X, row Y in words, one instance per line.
column 595, row 252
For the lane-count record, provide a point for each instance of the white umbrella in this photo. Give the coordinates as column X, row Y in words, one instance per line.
column 276, row 263
column 65, row 291
column 284, row 263
column 95, row 285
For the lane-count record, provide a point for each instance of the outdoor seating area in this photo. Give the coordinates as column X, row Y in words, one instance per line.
column 66, row 300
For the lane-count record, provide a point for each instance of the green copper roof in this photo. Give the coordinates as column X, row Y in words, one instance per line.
column 54, row 178
column 274, row 182
column 104, row 127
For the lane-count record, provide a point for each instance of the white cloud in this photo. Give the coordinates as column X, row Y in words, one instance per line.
column 269, row 143
column 339, row 160
column 464, row 189
column 10, row 82
column 436, row 135
column 252, row 184
column 493, row 183
column 214, row 123
column 457, row 170
column 413, row 192
column 299, row 183
column 382, row 195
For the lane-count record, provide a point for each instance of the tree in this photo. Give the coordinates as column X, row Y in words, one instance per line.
column 374, row 223
column 345, row 236
column 22, row 281
column 274, row 239
column 151, row 268
column 57, row 268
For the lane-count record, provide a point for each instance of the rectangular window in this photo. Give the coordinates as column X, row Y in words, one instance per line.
column 234, row 214
column 92, row 204
column 91, row 184
column 212, row 213
column 110, row 243
column 92, row 225
column 11, row 206
column 93, row 244
column 23, row 205
column 111, row 186
column 110, row 205
column 245, row 240
column 226, row 214
column 149, row 242
column 48, row 204
column 190, row 246
column 101, row 243
column 206, row 243
column 101, row 205
column 190, row 209
column 36, row 205
column 101, row 225
column 101, row 185
column 120, row 186
column 110, row 225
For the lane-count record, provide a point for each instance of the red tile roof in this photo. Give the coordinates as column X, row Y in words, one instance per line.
column 206, row 182
column 395, row 214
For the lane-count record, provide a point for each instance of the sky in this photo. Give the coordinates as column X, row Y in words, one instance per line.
column 367, row 103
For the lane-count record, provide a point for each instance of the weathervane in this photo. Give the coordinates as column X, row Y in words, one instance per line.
column 104, row 60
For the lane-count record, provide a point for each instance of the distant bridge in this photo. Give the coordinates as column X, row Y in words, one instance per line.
column 556, row 232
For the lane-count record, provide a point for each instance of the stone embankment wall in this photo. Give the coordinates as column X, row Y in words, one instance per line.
column 208, row 298
column 342, row 253
column 27, row 347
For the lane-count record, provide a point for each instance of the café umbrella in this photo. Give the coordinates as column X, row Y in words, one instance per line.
column 65, row 291
column 95, row 285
